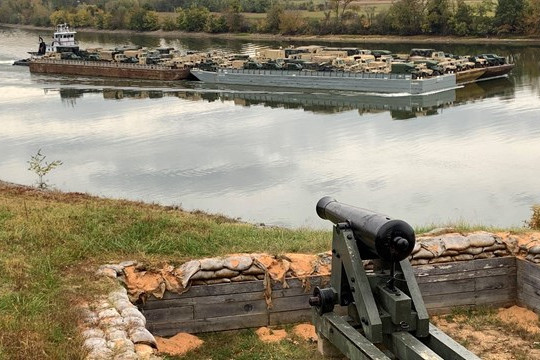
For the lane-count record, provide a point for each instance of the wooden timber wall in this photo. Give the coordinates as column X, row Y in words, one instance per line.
column 528, row 285
column 241, row 305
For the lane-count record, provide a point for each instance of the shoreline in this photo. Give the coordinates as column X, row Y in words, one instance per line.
column 368, row 39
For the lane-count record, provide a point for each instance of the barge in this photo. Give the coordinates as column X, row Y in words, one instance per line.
column 64, row 57
column 107, row 69
column 329, row 80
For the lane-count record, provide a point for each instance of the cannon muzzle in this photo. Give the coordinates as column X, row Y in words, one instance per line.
column 385, row 238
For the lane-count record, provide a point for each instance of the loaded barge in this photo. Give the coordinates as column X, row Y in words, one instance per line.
column 330, row 80
column 64, row 57
column 108, row 69
column 422, row 71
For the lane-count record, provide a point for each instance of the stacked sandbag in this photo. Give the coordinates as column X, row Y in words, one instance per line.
column 528, row 246
column 142, row 282
column 113, row 328
column 456, row 247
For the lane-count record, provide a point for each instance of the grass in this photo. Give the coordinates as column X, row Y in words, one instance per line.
column 52, row 242
column 245, row 345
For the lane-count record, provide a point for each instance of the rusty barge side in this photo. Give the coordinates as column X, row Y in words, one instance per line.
column 107, row 69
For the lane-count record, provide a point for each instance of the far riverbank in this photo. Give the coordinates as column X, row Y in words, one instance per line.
column 361, row 39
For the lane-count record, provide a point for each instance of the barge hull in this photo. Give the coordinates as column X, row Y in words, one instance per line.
column 104, row 69
column 345, row 81
column 496, row 71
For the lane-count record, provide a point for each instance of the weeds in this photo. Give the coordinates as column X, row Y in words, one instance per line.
column 534, row 222
column 41, row 168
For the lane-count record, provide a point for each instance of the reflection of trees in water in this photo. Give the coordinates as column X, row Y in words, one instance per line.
column 527, row 70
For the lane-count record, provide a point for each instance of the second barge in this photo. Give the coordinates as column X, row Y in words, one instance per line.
column 330, row 80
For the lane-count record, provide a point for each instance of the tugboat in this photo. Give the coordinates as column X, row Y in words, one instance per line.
column 64, row 57
column 63, row 41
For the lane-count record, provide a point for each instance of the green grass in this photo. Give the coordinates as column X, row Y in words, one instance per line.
column 461, row 226
column 245, row 345
column 51, row 244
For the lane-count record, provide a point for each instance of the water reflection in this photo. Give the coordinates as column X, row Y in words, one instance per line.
column 399, row 107
column 267, row 155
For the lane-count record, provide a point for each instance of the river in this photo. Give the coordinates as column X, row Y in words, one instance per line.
column 266, row 156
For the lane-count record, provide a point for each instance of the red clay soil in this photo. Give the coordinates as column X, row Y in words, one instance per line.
column 178, row 345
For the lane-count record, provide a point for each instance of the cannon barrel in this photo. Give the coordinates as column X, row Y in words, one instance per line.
column 391, row 240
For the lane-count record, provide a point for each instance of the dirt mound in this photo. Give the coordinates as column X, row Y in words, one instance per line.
column 506, row 334
column 305, row 332
column 268, row 335
column 178, row 345
column 521, row 318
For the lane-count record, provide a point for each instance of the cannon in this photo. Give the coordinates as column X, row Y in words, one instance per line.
column 375, row 314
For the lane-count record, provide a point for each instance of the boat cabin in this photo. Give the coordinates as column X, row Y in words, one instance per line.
column 63, row 40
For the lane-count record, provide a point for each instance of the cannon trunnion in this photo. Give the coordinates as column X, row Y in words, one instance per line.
column 386, row 316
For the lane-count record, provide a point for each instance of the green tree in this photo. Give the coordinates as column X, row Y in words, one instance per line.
column 483, row 22
column 142, row 19
column 291, row 22
column 84, row 16
column 169, row 24
column 437, row 16
column 509, row 16
column 235, row 20
column 406, row 17
column 195, row 18
column 461, row 21
column 120, row 13
column 532, row 17
column 216, row 24
column 60, row 17
column 40, row 14
column 273, row 16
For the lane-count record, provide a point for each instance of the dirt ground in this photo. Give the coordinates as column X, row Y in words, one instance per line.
column 492, row 334
column 506, row 334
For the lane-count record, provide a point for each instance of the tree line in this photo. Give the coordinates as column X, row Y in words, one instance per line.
column 402, row 17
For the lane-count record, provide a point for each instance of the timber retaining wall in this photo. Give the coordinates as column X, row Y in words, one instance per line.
column 253, row 290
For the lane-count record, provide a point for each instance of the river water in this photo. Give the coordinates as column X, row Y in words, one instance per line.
column 267, row 155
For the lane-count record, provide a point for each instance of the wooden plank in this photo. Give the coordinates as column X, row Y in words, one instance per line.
column 446, row 287
column 467, row 275
column 528, row 272
column 290, row 303
column 289, row 317
column 216, row 289
column 463, row 266
column 210, row 324
column 218, row 299
column 157, row 316
column 482, row 297
column 528, row 281
column 238, row 287
column 529, row 296
column 495, row 282
column 448, row 309
column 468, row 285
column 203, row 311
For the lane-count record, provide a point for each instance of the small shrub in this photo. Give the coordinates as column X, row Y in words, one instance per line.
column 534, row 223
column 41, row 168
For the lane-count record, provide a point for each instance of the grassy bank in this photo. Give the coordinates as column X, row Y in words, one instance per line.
column 51, row 244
